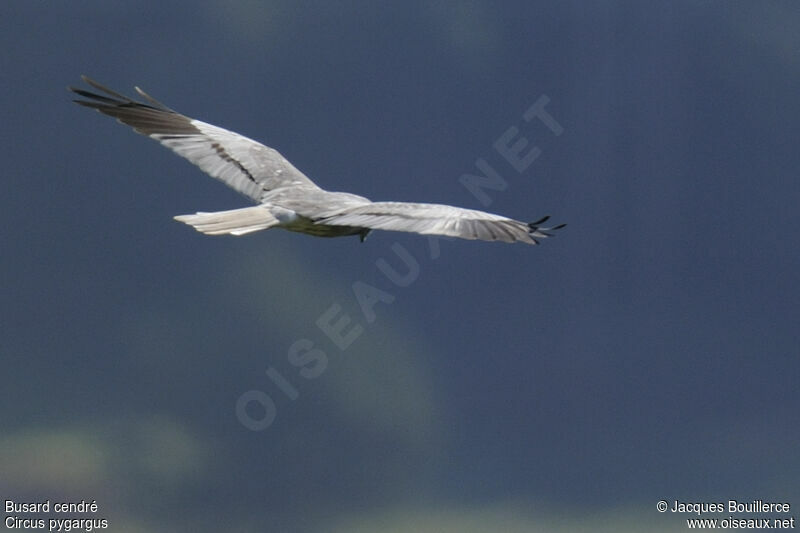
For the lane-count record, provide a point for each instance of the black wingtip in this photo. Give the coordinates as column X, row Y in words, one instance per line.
column 540, row 221
column 536, row 231
column 152, row 100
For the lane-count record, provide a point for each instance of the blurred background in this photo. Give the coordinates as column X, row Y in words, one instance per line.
column 648, row 352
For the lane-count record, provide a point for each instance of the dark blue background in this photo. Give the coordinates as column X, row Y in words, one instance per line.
column 649, row 352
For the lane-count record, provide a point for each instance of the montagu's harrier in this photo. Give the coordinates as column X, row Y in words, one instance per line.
column 286, row 197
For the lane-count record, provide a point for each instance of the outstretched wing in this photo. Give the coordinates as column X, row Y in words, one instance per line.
column 244, row 164
column 434, row 219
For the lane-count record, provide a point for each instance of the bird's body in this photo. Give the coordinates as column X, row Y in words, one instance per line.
column 286, row 197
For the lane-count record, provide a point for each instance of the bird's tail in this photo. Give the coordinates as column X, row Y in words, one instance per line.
column 233, row 222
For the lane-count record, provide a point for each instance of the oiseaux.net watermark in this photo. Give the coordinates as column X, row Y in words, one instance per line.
column 752, row 514
column 256, row 410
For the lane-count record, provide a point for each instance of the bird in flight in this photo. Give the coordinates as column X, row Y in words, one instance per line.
column 286, row 197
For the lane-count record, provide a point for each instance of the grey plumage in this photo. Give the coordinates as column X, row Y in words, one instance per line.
column 286, row 197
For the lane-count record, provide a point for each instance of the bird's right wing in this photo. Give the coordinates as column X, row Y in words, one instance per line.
column 244, row 164
column 435, row 219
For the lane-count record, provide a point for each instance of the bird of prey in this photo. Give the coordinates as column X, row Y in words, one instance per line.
column 286, row 198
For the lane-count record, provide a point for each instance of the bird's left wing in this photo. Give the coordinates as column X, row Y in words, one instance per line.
column 244, row 164
column 435, row 219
